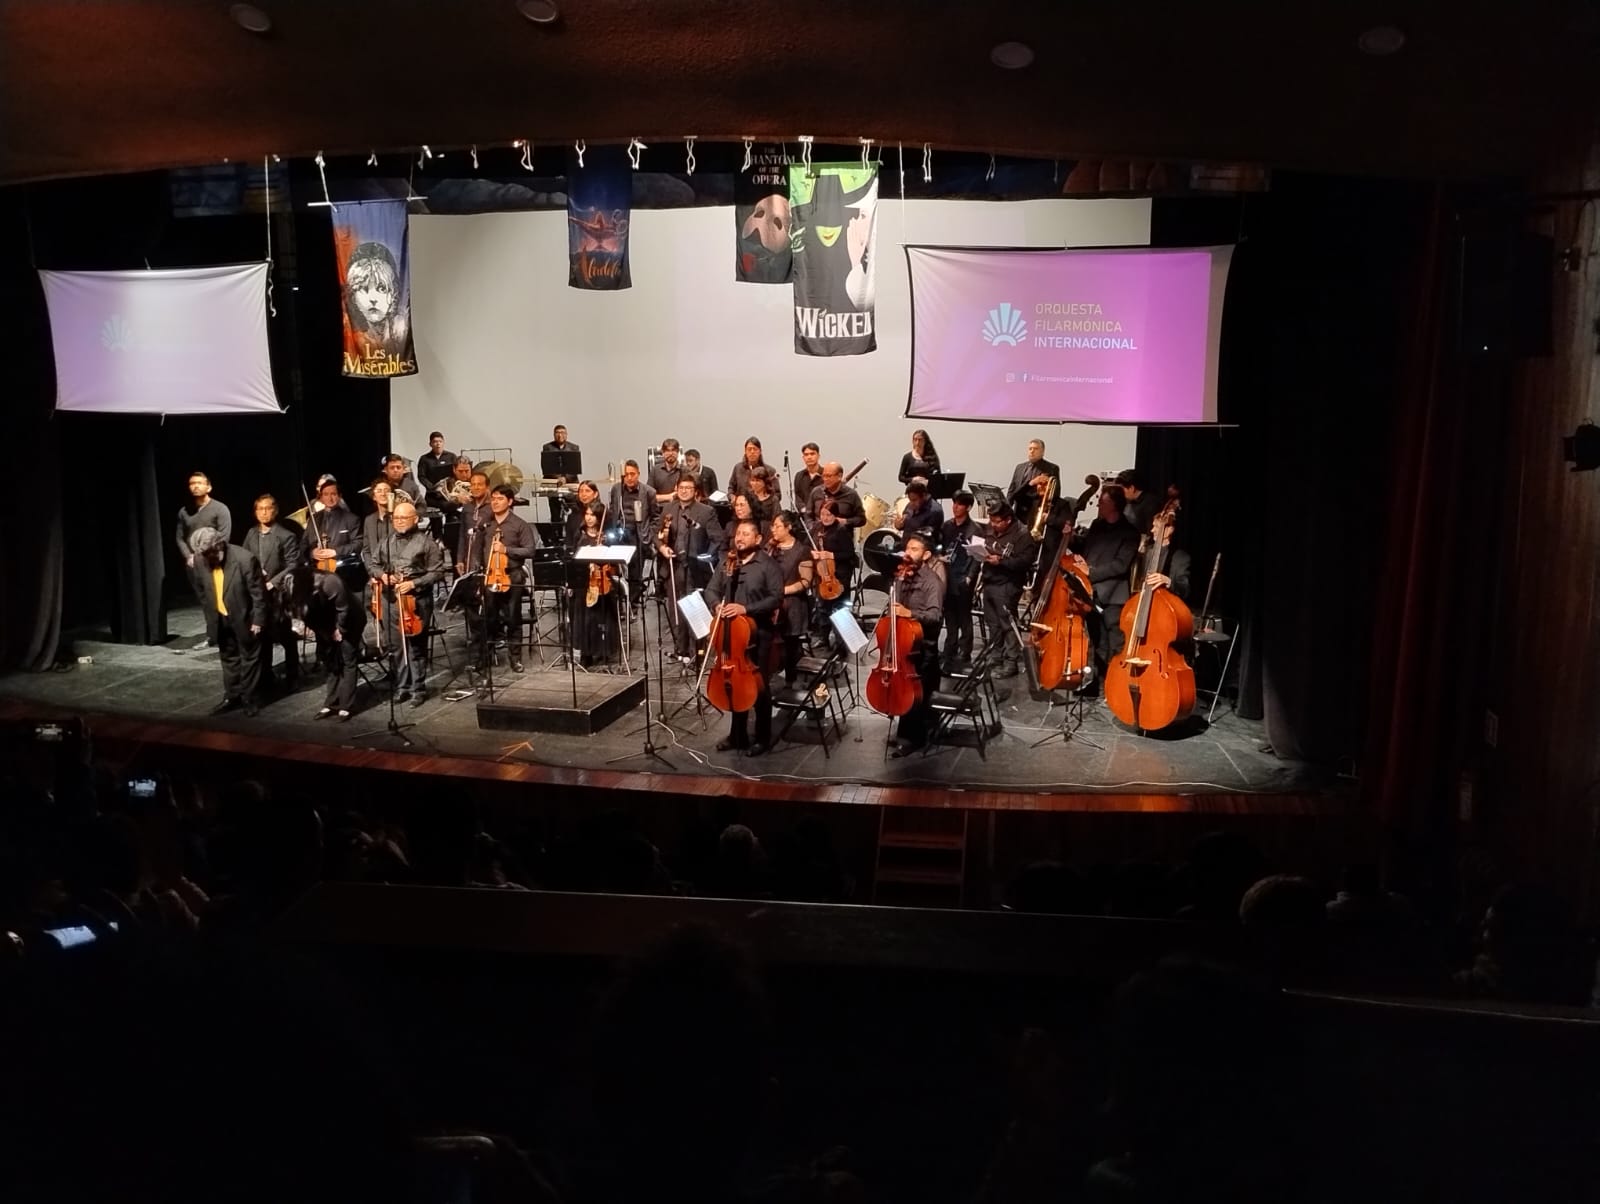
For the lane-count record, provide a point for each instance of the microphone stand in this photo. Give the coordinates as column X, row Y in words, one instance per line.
column 391, row 675
column 650, row 752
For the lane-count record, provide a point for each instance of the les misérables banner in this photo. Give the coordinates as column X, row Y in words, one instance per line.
column 599, row 205
column 369, row 243
column 761, row 214
column 833, row 212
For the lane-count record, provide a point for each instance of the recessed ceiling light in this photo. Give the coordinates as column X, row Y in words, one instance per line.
column 540, row 12
column 1013, row 56
column 1381, row 40
column 248, row 16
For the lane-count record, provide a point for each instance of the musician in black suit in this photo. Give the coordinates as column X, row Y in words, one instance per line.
column 1027, row 479
column 275, row 543
column 560, row 511
column 474, row 519
column 340, row 533
column 559, row 442
column 705, row 477
column 633, row 510
column 406, row 561
column 690, row 541
column 1109, row 548
column 1143, row 504
column 501, row 612
column 835, row 512
column 921, row 598
column 960, row 580
column 754, row 587
column 236, row 611
column 338, row 621
column 400, row 479
column 1005, row 568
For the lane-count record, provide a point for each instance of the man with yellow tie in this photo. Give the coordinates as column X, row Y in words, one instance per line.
column 235, row 607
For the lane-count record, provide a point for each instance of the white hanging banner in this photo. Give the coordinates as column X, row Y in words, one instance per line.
column 172, row 341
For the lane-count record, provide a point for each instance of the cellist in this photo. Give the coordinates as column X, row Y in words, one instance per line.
column 752, row 584
column 921, row 597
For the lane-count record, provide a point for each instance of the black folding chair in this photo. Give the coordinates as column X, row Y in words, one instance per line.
column 972, row 699
column 803, row 698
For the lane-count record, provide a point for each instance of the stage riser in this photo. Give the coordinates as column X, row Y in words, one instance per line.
column 542, row 709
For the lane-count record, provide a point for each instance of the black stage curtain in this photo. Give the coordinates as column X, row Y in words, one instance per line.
column 1297, row 499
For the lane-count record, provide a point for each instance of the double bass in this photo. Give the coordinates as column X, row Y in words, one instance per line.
column 1060, row 633
column 733, row 683
column 1149, row 685
column 894, row 688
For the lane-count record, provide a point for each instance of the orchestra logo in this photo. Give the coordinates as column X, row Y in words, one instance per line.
column 1004, row 326
column 116, row 334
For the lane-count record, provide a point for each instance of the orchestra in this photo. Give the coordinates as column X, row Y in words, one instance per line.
column 772, row 575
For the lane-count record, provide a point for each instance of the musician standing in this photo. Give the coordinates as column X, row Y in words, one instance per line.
column 633, row 509
column 705, row 477
column 763, row 495
column 962, row 579
column 474, row 519
column 1109, row 548
column 921, row 597
column 1028, row 481
column 922, row 513
column 236, row 611
column 500, row 617
column 921, row 461
column 809, row 477
column 376, row 525
column 200, row 511
column 1011, row 553
column 588, row 494
column 277, row 548
column 435, row 464
column 664, row 475
column 558, row 442
column 754, row 587
column 406, row 562
column 337, row 620
column 690, row 540
column 739, row 478
column 400, row 480
column 836, row 512
column 794, row 616
column 450, row 495
column 1143, row 504
column 340, row 533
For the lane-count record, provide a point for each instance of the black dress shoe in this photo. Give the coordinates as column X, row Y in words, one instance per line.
column 324, row 713
column 903, row 748
column 402, row 696
column 726, row 745
column 516, row 664
column 756, row 749
column 344, row 716
column 226, row 705
column 419, row 698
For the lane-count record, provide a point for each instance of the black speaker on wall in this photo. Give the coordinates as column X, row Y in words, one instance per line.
column 1506, row 285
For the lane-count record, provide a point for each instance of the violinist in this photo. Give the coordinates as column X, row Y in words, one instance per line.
column 835, row 511
column 1011, row 554
column 475, row 518
column 664, row 475
column 921, row 597
column 809, row 477
column 403, row 568
column 340, row 532
column 690, row 542
column 921, row 461
column 1109, row 548
column 961, row 579
column 633, row 509
column 596, row 596
column 794, row 616
column 499, row 616
column 588, row 492
column 749, row 583
column 337, row 620
column 276, row 546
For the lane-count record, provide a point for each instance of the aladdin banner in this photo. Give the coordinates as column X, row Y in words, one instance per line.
column 833, row 207
column 369, row 242
column 761, row 213
column 599, row 201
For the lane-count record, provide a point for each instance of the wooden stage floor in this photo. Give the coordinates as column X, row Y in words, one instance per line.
column 163, row 694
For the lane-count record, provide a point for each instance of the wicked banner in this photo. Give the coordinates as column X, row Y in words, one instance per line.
column 599, row 201
column 833, row 208
column 761, row 213
column 369, row 242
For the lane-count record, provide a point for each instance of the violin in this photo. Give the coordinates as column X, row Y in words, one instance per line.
column 326, row 564
column 1060, row 634
column 894, row 687
column 1150, row 685
column 599, row 582
column 410, row 620
column 497, row 570
column 735, row 682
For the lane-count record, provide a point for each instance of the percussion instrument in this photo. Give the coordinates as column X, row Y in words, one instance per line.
column 876, row 511
column 881, row 551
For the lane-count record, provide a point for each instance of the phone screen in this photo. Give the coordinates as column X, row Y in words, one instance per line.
column 141, row 787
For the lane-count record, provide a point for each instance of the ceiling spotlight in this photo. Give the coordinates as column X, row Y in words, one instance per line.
column 249, row 17
column 1381, row 40
column 1013, row 56
column 540, row 12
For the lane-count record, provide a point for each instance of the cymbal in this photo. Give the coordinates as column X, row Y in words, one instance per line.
column 501, row 472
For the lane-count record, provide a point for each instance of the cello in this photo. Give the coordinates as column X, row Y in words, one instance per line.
column 894, row 688
column 1149, row 684
column 735, row 682
column 1060, row 633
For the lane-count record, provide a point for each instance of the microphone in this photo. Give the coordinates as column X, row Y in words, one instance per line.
column 786, row 457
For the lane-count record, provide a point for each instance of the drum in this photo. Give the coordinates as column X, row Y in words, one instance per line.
column 881, row 551
column 875, row 509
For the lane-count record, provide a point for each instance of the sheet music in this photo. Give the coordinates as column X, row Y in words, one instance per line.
column 696, row 613
column 620, row 553
column 849, row 630
column 977, row 546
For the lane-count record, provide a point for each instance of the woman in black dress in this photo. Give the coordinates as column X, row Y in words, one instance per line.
column 793, row 555
column 763, row 496
column 921, row 461
column 595, row 629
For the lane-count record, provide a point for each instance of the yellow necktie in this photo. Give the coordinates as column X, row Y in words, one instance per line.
column 216, row 580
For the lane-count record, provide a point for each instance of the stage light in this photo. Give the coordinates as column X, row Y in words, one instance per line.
column 249, row 17
column 540, row 12
column 1012, row 56
column 1582, row 448
column 1381, row 40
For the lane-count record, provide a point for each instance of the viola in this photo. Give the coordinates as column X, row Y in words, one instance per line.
column 894, row 688
column 497, row 569
column 1150, row 685
column 733, row 681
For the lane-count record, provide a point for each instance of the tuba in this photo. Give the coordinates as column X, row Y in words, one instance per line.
column 1041, row 517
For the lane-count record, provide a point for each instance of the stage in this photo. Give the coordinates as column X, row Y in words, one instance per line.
column 1103, row 766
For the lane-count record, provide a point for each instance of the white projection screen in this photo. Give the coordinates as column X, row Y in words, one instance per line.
column 172, row 341
column 1120, row 335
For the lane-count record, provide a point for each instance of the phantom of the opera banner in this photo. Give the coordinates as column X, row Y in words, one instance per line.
column 369, row 242
column 599, row 204
column 833, row 212
column 761, row 213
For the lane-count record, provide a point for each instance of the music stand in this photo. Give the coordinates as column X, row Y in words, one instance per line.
column 987, row 496
column 945, row 485
column 568, row 465
column 462, row 591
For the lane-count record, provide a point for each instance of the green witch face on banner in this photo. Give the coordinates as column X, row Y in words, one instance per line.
column 832, row 210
